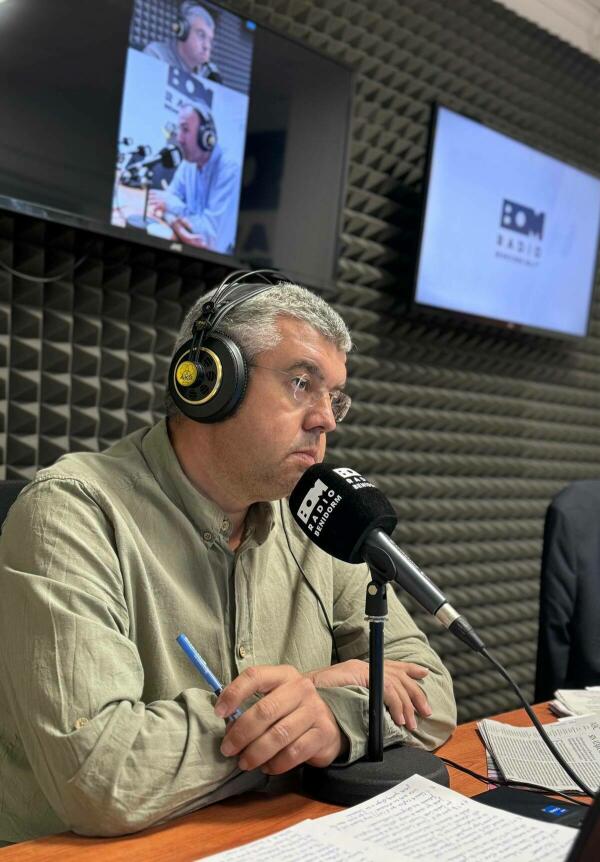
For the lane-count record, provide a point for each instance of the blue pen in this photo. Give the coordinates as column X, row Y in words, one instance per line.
column 200, row 665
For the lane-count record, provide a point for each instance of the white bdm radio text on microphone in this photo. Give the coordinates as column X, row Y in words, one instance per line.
column 313, row 511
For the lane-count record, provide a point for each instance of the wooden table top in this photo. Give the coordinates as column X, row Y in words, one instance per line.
column 242, row 818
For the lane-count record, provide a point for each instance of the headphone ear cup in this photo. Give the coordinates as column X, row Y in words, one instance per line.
column 181, row 28
column 207, row 136
column 220, row 382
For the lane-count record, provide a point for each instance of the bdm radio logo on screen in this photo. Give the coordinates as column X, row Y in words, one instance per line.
column 526, row 248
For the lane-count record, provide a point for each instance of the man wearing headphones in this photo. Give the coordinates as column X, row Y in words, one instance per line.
column 190, row 48
column 201, row 202
column 181, row 528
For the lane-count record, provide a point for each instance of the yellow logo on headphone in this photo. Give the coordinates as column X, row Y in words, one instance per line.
column 186, row 373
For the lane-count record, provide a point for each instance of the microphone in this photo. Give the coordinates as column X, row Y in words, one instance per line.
column 168, row 157
column 210, row 71
column 140, row 151
column 349, row 518
column 143, row 150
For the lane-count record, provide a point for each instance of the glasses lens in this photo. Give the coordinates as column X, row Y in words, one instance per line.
column 340, row 404
column 306, row 391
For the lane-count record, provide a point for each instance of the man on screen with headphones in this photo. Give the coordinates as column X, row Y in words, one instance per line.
column 201, row 202
column 182, row 528
column 190, row 47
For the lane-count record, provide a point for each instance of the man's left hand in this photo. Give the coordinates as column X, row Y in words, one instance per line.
column 401, row 693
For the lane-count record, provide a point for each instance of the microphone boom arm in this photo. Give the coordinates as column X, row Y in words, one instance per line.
column 388, row 562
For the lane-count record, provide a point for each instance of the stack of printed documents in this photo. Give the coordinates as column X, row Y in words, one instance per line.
column 576, row 701
column 521, row 755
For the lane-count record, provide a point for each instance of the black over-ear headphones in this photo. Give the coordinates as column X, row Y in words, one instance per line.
column 207, row 131
column 208, row 375
column 181, row 27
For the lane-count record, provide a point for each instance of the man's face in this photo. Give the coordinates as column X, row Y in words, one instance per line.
column 273, row 438
column 187, row 135
column 198, row 45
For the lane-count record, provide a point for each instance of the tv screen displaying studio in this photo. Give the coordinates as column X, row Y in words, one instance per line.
column 510, row 233
column 106, row 126
column 182, row 128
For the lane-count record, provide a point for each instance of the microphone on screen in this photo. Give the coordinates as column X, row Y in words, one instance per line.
column 169, row 157
column 346, row 516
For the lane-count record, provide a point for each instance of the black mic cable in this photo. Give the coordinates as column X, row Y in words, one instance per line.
column 310, row 586
column 505, row 782
column 537, row 724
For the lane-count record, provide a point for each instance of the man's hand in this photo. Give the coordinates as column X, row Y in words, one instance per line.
column 290, row 725
column 185, row 232
column 156, row 201
column 401, row 694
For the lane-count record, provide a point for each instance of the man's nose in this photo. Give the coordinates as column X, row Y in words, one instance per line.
column 320, row 414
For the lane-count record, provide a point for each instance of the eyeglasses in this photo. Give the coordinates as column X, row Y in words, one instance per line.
column 201, row 34
column 306, row 390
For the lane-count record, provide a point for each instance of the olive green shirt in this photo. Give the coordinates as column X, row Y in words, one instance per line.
column 105, row 726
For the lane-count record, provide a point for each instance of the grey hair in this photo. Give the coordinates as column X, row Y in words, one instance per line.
column 191, row 10
column 253, row 323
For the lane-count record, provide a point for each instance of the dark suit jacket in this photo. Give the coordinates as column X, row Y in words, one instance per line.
column 569, row 633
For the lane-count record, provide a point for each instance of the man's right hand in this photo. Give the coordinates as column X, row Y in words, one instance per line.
column 157, row 202
column 289, row 725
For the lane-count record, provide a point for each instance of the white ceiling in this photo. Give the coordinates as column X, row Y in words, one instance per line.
column 574, row 21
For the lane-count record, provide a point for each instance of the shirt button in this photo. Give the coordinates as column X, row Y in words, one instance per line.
column 207, row 536
column 225, row 525
column 80, row 722
column 242, row 651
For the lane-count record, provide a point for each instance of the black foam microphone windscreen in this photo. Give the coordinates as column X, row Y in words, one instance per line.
column 337, row 508
column 347, row 517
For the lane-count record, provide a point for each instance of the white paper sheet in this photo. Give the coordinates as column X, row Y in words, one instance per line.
column 579, row 701
column 427, row 822
column 522, row 755
column 416, row 821
column 306, row 841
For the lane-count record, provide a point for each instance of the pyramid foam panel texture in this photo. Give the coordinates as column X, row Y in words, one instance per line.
column 469, row 429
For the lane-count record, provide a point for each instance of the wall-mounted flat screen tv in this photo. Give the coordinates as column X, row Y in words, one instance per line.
column 177, row 124
column 510, row 234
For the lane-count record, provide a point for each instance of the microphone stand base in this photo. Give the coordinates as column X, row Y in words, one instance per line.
column 351, row 784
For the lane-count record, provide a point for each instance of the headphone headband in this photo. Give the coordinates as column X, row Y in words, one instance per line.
column 231, row 292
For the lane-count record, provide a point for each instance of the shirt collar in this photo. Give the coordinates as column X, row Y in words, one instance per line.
column 207, row 517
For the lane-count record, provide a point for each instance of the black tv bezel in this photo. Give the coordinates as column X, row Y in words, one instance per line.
column 450, row 313
column 105, row 228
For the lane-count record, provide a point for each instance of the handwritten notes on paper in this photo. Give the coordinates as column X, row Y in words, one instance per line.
column 416, row 821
